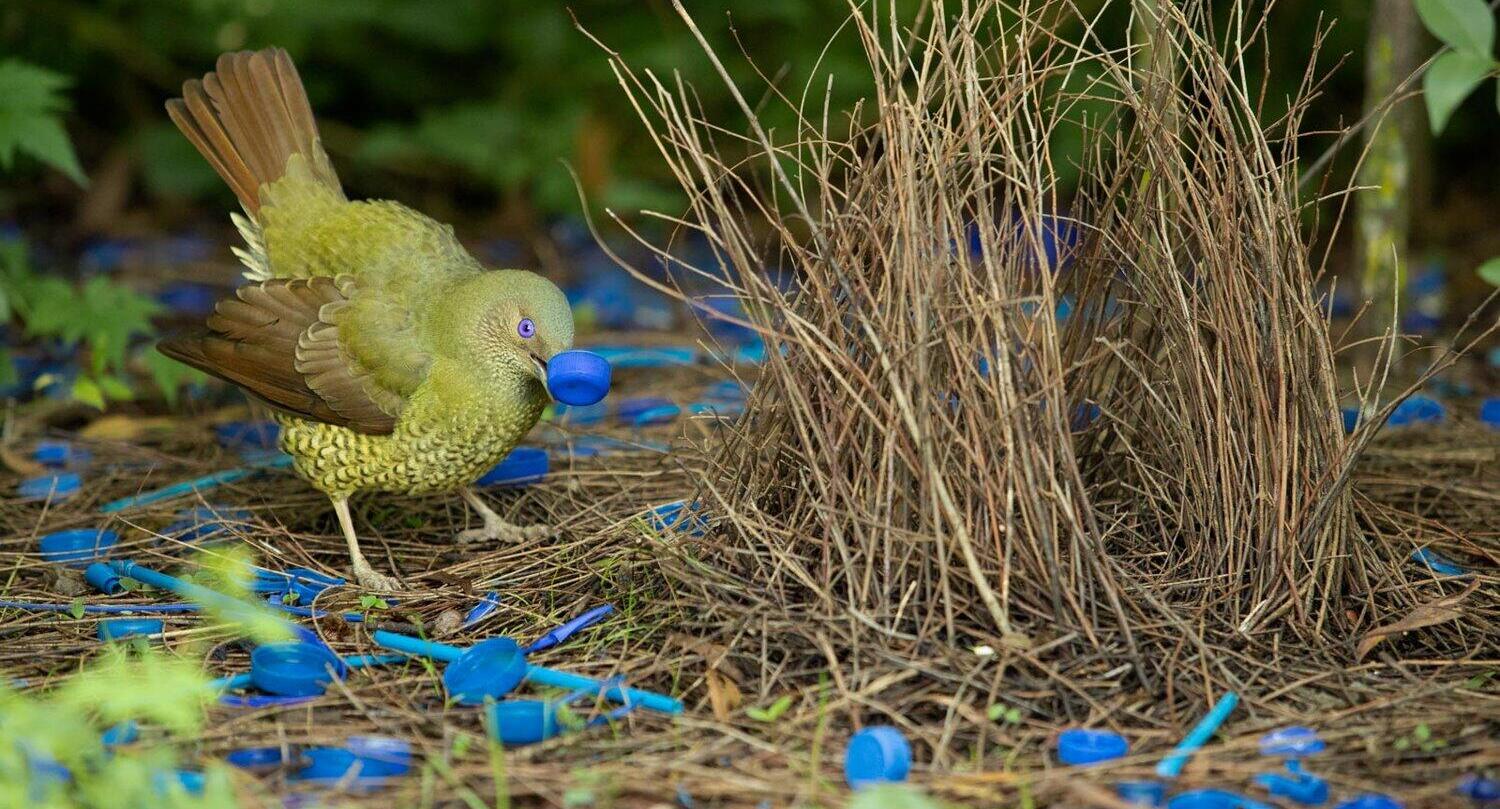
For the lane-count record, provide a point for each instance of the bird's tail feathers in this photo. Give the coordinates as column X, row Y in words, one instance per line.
column 249, row 118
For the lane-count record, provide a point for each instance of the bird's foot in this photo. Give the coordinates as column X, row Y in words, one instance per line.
column 501, row 531
column 370, row 579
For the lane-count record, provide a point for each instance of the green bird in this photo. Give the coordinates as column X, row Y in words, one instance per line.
column 394, row 361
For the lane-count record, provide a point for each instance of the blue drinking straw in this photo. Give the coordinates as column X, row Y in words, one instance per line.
column 195, row 485
column 192, row 592
column 1171, row 766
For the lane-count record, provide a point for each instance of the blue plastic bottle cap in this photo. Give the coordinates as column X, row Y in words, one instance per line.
column 122, row 733
column 1295, row 741
column 1081, row 746
column 578, row 378
column 248, row 434
column 103, row 578
column 59, row 453
column 877, row 754
column 523, row 721
column 255, row 759
column 1141, row 793
column 1301, row 787
column 524, row 465
column 1213, row 799
column 1417, row 409
column 380, row 756
column 120, row 628
column 491, row 668
column 1479, row 789
column 325, row 763
column 1373, row 800
column 1489, row 410
column 77, row 546
column 295, row 669
column 54, row 487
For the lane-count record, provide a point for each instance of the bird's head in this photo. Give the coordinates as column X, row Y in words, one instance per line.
column 510, row 322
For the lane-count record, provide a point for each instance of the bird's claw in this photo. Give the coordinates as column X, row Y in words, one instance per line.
column 371, row 580
column 504, row 532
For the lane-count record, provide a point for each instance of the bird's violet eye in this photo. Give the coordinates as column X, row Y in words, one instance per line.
column 526, row 328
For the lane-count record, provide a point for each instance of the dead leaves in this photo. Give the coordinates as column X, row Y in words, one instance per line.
column 1432, row 613
column 722, row 677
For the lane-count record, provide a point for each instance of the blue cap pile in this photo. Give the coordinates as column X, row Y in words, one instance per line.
column 878, row 754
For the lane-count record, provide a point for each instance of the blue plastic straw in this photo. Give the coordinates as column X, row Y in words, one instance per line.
column 195, row 485
column 192, row 592
column 1171, row 766
column 534, row 674
column 101, row 609
column 569, row 629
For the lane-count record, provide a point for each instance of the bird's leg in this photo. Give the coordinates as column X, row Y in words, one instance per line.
column 495, row 527
column 363, row 573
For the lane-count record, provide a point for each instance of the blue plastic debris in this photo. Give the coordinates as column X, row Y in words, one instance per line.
column 248, row 434
column 58, row 454
column 1351, row 418
column 189, row 781
column 878, row 754
column 678, row 515
column 1141, row 793
column 256, row 759
column 189, row 298
column 49, row 487
column 188, row 590
column 1438, row 563
column 1214, row 799
column 578, row 378
column 752, row 352
column 1301, row 787
column 103, row 578
column 484, row 609
column 198, row 485
column 77, row 546
column 120, row 733
column 631, row 357
column 626, row 410
column 294, row 669
column 579, row 416
column 337, row 765
column 1477, row 788
column 1171, row 766
column 492, row 668
column 528, row 721
column 1076, row 746
column 728, row 390
column 1291, row 742
column 1489, row 411
column 1372, row 800
column 380, row 756
column 1417, row 409
column 570, row 628
column 656, row 415
column 121, row 628
column 522, row 467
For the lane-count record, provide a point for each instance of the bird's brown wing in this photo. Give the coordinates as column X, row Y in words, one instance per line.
column 279, row 340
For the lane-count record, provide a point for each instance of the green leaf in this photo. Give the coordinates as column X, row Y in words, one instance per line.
column 1402, row 743
column 1422, row 733
column 86, row 391
column 369, row 602
column 30, row 104
column 168, row 374
column 1464, row 25
column 75, row 609
column 115, row 388
column 1490, row 271
column 1448, row 81
column 771, row 713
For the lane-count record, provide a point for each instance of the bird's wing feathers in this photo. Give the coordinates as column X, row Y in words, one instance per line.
column 287, row 340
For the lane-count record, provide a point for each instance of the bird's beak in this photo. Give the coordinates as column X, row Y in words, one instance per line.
column 539, row 365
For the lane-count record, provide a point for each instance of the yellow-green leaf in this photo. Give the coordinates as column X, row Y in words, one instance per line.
column 1464, row 25
column 1448, row 81
column 85, row 390
column 1490, row 271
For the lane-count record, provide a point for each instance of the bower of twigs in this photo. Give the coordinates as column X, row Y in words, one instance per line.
column 943, row 497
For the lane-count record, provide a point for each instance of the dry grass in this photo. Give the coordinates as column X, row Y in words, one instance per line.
column 901, row 537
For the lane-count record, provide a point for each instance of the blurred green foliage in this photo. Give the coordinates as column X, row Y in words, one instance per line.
column 31, row 107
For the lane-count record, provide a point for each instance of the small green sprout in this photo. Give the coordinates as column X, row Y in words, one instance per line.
column 772, row 712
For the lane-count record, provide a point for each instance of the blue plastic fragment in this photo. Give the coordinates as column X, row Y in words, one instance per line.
column 752, row 352
column 380, row 756
column 1171, row 766
column 1351, row 418
column 1291, row 742
column 1371, row 800
column 1301, row 787
column 657, row 415
column 1214, row 799
column 680, row 516
column 248, row 434
column 484, row 609
column 103, row 578
column 877, row 754
column 728, row 390
column 1141, row 793
column 189, row 298
column 626, row 410
column 523, row 466
column 337, row 765
column 1417, row 409
column 630, row 357
column 1076, row 746
column 1477, row 788
column 57, row 454
column 98, row 609
column 125, row 732
column 1489, row 410
column 579, row 416
column 570, row 628
column 189, row 781
column 256, row 759
column 77, row 546
column 49, row 487
column 1438, row 563
column 121, row 628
